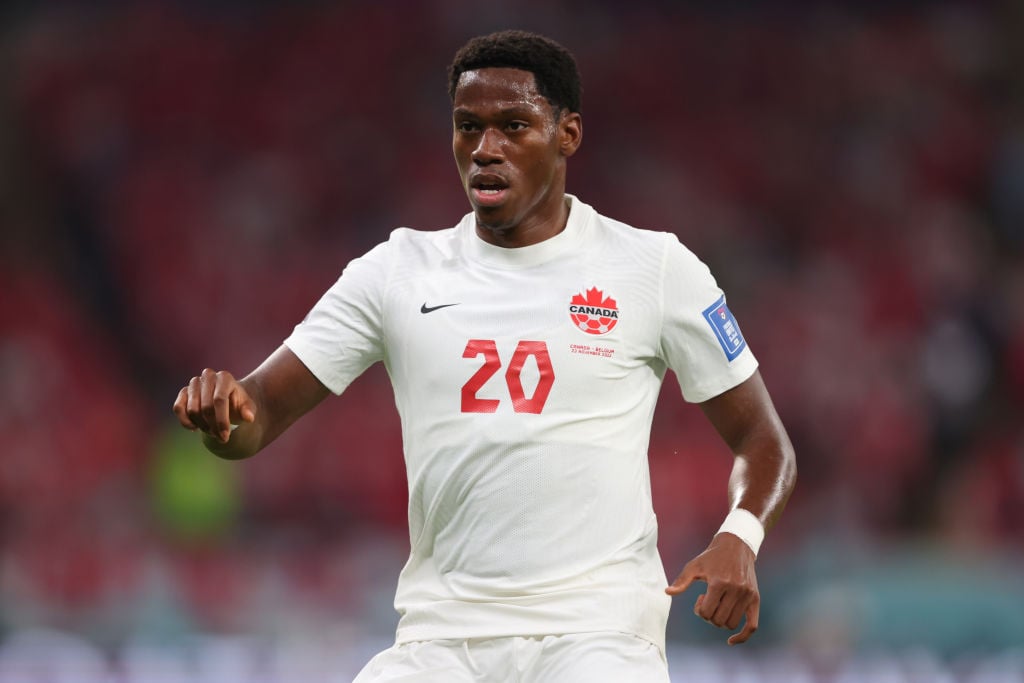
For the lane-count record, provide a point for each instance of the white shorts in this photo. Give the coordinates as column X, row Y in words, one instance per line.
column 574, row 658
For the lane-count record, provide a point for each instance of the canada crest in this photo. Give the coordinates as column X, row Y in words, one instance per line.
column 593, row 312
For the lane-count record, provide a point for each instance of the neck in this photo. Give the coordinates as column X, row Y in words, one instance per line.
column 540, row 225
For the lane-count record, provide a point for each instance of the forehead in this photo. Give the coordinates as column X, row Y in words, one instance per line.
column 497, row 87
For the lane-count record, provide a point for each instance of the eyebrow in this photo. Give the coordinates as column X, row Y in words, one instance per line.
column 516, row 110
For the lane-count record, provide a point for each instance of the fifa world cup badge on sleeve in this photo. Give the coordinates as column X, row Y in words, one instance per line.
column 726, row 329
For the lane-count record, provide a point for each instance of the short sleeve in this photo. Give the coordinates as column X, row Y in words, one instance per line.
column 700, row 338
column 343, row 333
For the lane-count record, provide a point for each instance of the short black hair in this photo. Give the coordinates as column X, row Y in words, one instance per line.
column 553, row 67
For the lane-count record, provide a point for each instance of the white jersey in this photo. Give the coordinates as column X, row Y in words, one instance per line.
column 526, row 381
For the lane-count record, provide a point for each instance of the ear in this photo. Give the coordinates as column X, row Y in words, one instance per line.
column 570, row 132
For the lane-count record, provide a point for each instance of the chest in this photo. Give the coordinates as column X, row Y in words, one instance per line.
column 496, row 341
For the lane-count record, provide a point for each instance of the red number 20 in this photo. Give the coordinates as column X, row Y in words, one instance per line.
column 492, row 363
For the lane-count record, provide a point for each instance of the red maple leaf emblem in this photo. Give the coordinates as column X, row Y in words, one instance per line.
column 594, row 313
column 595, row 297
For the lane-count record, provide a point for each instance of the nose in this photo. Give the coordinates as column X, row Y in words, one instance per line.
column 489, row 150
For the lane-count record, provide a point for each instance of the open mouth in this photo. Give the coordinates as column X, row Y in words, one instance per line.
column 488, row 191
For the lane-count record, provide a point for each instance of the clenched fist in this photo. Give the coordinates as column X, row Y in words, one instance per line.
column 212, row 402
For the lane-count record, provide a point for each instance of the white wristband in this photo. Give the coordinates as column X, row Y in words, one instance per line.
column 744, row 524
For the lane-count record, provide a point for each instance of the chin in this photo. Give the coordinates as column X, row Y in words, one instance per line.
column 493, row 218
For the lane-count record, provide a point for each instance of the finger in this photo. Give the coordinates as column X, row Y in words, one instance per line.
column 181, row 409
column 740, row 607
column 684, row 581
column 706, row 608
column 242, row 405
column 753, row 612
column 194, row 407
column 247, row 411
column 223, row 388
column 725, row 609
column 680, row 585
column 207, row 385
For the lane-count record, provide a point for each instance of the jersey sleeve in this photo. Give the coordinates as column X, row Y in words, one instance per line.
column 343, row 333
column 700, row 339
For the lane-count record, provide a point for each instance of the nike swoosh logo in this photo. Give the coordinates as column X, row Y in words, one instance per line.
column 430, row 309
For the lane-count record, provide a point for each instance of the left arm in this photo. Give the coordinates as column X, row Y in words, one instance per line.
column 763, row 476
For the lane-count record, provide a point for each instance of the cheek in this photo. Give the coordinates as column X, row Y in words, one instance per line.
column 544, row 166
column 462, row 158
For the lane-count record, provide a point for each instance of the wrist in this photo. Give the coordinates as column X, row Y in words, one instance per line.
column 746, row 526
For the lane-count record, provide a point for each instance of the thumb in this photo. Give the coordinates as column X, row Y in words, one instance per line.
column 684, row 581
column 245, row 408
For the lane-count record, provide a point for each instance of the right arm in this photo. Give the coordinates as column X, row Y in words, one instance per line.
column 263, row 404
column 341, row 336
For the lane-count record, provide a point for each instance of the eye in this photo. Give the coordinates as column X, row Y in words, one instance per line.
column 517, row 125
column 466, row 127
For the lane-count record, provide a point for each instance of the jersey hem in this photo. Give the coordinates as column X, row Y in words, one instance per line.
column 420, row 634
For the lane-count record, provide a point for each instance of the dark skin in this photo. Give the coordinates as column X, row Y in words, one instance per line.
column 508, row 137
column 763, row 476
column 511, row 148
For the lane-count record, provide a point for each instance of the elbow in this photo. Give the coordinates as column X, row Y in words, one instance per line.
column 790, row 466
column 788, row 469
column 790, row 477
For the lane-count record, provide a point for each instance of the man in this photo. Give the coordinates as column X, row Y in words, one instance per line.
column 526, row 347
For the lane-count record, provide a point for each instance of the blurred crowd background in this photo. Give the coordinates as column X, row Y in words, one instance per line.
column 180, row 181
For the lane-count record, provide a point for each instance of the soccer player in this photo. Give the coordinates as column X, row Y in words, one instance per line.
column 526, row 346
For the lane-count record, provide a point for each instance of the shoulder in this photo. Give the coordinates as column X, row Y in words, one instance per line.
column 420, row 245
column 658, row 254
column 627, row 238
column 406, row 247
column 615, row 230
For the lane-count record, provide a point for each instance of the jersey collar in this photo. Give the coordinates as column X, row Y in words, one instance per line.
column 564, row 242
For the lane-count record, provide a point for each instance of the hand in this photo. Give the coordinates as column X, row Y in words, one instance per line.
column 212, row 402
column 727, row 566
